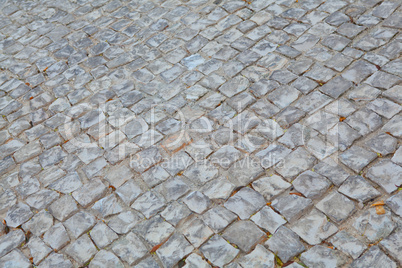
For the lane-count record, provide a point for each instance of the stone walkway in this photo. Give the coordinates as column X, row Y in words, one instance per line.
column 201, row 133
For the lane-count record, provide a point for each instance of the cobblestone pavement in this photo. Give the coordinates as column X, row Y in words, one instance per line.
column 200, row 133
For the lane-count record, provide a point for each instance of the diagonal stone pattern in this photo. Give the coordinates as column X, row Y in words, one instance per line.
column 200, row 133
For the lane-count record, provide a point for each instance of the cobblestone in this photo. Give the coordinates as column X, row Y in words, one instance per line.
column 200, row 133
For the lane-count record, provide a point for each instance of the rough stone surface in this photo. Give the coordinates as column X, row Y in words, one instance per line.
column 321, row 256
column 127, row 126
column 234, row 233
column 285, row 243
column 313, row 228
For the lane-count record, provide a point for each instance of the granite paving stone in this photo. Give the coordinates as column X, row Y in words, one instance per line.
column 129, row 248
column 348, row 243
column 137, row 133
column 374, row 226
column 336, row 206
column 195, row 231
column 245, row 202
column 357, row 158
column 174, row 250
column 234, row 234
column 358, row 188
column 321, row 256
column 291, row 206
column 218, row 251
column 386, row 174
column 285, row 244
column 394, row 203
column 373, row 257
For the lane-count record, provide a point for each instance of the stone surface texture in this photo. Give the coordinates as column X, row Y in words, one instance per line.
column 200, row 133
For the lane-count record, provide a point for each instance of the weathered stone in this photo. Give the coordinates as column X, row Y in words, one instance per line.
column 38, row 249
column 314, row 228
column 219, row 188
column 39, row 223
column 374, row 226
column 291, row 206
column 80, row 223
column 386, row 174
column 90, row 192
column 271, row 186
column 311, row 184
column 15, row 259
column 320, row 256
column 63, row 208
column 394, row 202
column 285, row 244
column 383, row 144
column 245, row 202
column 11, row 241
column 358, row 188
column 348, row 244
column 129, row 191
column 218, row 251
column 259, row 257
column 105, row 258
column 18, row 214
column 148, row 204
column 56, row 236
column 336, row 206
column 174, row 250
column 357, row 158
column 129, row 248
column 82, row 250
column 295, row 163
column 195, row 231
column 123, row 222
column 372, row 258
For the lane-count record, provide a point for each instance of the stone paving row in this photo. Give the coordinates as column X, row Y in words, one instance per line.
column 200, row 133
